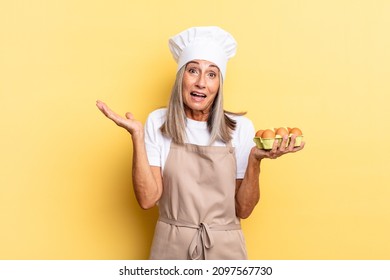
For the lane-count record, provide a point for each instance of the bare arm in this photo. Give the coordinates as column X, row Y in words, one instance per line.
column 147, row 180
column 248, row 189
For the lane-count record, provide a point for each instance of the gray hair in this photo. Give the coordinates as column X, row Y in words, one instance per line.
column 219, row 124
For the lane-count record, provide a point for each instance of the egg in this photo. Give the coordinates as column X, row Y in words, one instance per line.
column 268, row 134
column 296, row 131
column 259, row 133
column 281, row 131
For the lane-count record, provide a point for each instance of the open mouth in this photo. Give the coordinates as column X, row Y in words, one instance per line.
column 198, row 96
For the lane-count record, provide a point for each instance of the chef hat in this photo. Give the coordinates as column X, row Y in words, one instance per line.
column 209, row 43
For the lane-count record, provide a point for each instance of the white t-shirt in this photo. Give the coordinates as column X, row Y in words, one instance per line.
column 158, row 146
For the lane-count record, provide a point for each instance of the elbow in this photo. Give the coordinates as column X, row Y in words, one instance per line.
column 146, row 205
column 244, row 214
column 147, row 201
column 244, row 211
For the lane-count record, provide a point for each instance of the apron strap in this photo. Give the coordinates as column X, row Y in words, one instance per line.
column 203, row 239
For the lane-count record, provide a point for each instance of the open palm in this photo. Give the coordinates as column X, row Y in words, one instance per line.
column 128, row 122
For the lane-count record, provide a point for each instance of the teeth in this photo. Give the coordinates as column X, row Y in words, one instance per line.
column 198, row 94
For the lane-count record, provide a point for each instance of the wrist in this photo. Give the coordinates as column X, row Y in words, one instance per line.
column 137, row 135
column 254, row 156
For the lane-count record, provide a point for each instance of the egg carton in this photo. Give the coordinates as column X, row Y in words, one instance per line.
column 268, row 143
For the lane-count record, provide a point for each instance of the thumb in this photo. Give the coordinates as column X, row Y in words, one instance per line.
column 129, row 116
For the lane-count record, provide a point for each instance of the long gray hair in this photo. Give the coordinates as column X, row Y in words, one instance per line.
column 219, row 123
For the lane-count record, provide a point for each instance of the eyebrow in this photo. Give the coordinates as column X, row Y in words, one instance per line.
column 211, row 65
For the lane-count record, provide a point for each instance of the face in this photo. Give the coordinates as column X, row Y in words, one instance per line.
column 200, row 87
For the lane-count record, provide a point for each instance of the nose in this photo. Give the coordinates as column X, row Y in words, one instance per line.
column 201, row 81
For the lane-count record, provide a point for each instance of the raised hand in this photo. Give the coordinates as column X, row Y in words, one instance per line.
column 128, row 122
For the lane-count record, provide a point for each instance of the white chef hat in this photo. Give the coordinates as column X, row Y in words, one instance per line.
column 209, row 43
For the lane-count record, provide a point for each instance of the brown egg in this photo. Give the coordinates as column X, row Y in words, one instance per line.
column 268, row 134
column 259, row 133
column 296, row 131
column 281, row 131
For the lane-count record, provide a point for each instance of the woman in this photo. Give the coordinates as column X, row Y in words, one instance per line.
column 194, row 160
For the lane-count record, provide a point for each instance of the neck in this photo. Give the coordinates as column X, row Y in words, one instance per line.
column 200, row 116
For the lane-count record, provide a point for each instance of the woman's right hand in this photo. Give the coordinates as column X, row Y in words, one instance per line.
column 133, row 126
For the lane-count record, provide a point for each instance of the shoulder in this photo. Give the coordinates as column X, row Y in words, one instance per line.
column 158, row 114
column 156, row 118
column 244, row 131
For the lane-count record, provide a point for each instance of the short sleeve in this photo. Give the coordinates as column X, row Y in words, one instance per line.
column 243, row 142
column 153, row 137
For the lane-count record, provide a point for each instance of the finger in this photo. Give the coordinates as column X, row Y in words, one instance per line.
column 273, row 153
column 275, row 146
column 291, row 145
column 102, row 106
column 129, row 116
column 99, row 104
column 283, row 144
column 300, row 147
column 110, row 114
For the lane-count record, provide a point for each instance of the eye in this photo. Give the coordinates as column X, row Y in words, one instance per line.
column 192, row 70
column 212, row 75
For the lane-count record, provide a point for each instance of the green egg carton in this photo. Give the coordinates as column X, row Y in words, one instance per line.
column 280, row 139
column 298, row 140
column 267, row 143
column 258, row 142
column 264, row 143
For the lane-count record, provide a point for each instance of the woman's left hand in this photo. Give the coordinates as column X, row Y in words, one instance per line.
column 278, row 150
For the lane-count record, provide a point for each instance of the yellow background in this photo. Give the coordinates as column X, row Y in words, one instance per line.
column 65, row 184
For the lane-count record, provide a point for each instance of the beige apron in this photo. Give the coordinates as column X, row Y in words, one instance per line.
column 197, row 208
